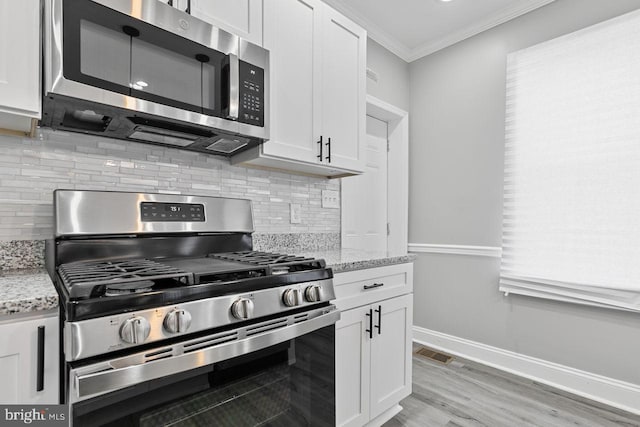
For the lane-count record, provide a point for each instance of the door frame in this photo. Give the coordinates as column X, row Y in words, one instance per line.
column 397, row 173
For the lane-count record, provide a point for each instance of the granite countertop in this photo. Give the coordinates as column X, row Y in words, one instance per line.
column 24, row 291
column 31, row 290
column 341, row 260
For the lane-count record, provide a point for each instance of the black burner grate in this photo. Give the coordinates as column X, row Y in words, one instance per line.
column 277, row 263
column 82, row 277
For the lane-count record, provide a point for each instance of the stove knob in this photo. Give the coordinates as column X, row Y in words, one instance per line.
column 242, row 308
column 135, row 330
column 177, row 320
column 292, row 297
column 313, row 293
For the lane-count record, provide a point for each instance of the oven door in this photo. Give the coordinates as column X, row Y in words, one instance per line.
column 278, row 372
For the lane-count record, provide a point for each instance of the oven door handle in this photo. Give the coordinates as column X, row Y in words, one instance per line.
column 109, row 379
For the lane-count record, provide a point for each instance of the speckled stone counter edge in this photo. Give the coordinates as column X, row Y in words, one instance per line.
column 28, row 305
column 26, row 291
column 372, row 263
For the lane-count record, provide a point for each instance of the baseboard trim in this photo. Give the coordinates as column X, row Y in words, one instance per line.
column 612, row 392
column 488, row 251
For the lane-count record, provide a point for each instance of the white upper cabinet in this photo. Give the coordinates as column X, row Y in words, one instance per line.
column 317, row 91
column 20, row 99
column 343, row 91
column 239, row 17
column 292, row 34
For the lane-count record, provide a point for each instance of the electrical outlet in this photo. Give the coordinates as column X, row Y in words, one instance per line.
column 330, row 199
column 296, row 217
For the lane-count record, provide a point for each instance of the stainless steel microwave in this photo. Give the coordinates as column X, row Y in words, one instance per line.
column 145, row 71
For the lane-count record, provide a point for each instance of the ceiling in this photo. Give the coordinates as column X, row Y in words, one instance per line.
column 415, row 28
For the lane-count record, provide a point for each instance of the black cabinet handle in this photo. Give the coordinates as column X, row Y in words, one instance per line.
column 375, row 285
column 170, row 3
column 379, row 325
column 328, row 144
column 319, row 156
column 188, row 9
column 370, row 330
column 40, row 367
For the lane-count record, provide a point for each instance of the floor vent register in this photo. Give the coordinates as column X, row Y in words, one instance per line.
column 434, row 355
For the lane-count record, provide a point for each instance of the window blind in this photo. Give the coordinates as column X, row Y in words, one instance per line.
column 571, row 217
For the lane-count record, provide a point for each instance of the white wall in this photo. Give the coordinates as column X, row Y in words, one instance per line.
column 456, row 154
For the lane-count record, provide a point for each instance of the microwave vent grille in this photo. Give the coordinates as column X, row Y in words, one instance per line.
column 228, row 144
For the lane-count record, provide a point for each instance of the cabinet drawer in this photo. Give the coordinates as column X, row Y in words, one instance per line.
column 360, row 287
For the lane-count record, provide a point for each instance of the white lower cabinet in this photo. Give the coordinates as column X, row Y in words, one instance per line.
column 373, row 352
column 29, row 360
column 353, row 366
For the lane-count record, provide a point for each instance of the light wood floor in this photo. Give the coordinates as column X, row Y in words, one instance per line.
column 465, row 393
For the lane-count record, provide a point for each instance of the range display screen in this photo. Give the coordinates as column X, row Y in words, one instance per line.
column 171, row 212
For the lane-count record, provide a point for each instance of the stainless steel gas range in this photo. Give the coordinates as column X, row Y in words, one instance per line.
column 170, row 318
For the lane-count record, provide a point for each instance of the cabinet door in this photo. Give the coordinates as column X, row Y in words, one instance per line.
column 19, row 361
column 20, row 64
column 239, row 17
column 343, row 90
column 391, row 353
column 352, row 367
column 292, row 34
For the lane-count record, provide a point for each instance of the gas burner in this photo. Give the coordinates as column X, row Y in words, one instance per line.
column 117, row 289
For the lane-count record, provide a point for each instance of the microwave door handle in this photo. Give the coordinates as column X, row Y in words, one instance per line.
column 234, row 87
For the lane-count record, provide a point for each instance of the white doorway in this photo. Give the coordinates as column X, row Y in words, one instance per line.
column 375, row 204
column 365, row 196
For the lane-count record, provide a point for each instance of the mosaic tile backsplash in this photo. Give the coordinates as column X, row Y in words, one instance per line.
column 30, row 169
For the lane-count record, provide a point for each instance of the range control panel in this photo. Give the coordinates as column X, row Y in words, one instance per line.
column 171, row 212
column 251, row 108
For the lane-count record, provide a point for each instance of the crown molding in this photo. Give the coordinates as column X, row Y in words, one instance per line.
column 409, row 55
column 493, row 20
column 374, row 32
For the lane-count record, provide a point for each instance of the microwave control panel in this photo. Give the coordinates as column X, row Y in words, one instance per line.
column 251, row 108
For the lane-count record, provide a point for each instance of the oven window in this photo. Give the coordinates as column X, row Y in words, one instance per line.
column 116, row 52
column 288, row 384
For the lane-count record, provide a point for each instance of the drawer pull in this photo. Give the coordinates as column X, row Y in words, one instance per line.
column 375, row 285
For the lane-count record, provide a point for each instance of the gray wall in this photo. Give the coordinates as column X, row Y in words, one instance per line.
column 456, row 151
column 393, row 76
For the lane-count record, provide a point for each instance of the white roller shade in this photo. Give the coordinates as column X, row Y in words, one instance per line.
column 571, row 225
